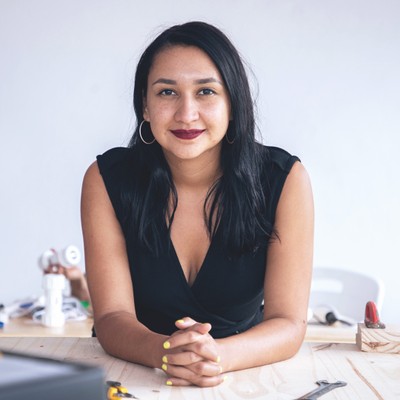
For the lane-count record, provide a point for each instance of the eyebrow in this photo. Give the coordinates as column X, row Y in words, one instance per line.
column 197, row 81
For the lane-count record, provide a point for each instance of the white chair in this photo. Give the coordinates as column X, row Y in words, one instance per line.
column 346, row 292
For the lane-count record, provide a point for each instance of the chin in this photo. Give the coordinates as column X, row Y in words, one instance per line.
column 184, row 153
column 187, row 155
column 192, row 152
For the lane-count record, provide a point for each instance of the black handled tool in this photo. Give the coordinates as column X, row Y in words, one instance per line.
column 324, row 387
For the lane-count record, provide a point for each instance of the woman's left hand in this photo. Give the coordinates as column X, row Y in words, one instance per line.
column 192, row 356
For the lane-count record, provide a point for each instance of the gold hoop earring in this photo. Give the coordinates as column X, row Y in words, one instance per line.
column 140, row 134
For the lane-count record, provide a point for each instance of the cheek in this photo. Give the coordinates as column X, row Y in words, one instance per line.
column 219, row 110
column 224, row 109
column 159, row 119
column 159, row 113
column 220, row 115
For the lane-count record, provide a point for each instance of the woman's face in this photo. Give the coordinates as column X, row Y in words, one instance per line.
column 187, row 104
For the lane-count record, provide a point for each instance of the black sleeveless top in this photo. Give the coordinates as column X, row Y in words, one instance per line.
column 227, row 293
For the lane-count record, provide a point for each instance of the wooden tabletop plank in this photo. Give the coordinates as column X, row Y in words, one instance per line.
column 26, row 327
column 369, row 375
column 29, row 328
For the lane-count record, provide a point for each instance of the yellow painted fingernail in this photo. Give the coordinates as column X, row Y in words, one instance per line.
column 180, row 321
column 218, row 359
column 165, row 359
column 220, row 369
column 166, row 345
column 164, row 367
column 225, row 377
column 168, row 383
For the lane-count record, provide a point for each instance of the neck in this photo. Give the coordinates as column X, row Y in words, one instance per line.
column 199, row 173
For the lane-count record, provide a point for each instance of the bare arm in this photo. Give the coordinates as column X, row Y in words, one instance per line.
column 109, row 279
column 287, row 284
column 191, row 356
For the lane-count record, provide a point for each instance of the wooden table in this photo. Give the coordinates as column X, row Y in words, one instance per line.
column 27, row 327
column 369, row 375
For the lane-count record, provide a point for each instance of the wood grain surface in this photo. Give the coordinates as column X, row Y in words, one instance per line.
column 369, row 375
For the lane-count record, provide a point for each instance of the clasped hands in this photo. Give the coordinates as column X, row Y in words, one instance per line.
column 191, row 356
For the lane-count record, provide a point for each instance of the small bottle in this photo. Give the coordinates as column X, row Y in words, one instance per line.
column 53, row 286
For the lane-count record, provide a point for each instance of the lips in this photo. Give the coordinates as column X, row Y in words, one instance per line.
column 187, row 134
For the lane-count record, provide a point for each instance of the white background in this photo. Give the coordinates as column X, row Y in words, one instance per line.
column 328, row 90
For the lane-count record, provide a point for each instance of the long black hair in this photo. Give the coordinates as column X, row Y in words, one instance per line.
column 235, row 203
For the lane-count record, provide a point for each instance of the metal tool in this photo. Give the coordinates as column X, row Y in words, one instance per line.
column 324, row 387
column 372, row 317
column 116, row 391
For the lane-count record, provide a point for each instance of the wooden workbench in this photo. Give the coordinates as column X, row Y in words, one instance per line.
column 369, row 375
column 27, row 327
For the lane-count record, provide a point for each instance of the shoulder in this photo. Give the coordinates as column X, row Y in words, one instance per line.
column 276, row 164
column 297, row 193
column 276, row 159
column 115, row 167
column 92, row 181
column 106, row 175
column 283, row 178
column 103, row 163
column 294, row 219
column 112, row 158
column 279, row 164
column 298, row 179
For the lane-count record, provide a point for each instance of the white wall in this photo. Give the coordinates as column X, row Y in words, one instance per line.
column 328, row 91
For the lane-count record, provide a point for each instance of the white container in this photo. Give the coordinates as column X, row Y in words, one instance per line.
column 53, row 286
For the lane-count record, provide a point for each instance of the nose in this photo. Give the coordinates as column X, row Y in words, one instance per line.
column 187, row 110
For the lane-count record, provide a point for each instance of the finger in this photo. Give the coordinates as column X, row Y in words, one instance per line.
column 200, row 381
column 209, row 381
column 205, row 368
column 192, row 372
column 205, row 349
column 194, row 331
column 190, row 340
column 178, row 382
column 185, row 322
column 188, row 322
column 202, row 328
column 182, row 338
column 181, row 358
column 178, row 372
column 73, row 273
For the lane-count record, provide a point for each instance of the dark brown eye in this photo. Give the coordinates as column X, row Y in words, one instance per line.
column 167, row 92
column 206, row 92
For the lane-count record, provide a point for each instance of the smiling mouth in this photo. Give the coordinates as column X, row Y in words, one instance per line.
column 187, row 134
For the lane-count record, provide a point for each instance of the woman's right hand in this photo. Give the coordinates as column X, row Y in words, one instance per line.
column 191, row 356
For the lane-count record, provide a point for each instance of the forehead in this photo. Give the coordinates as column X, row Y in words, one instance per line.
column 190, row 61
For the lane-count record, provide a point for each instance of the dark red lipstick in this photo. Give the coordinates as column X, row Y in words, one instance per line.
column 187, row 133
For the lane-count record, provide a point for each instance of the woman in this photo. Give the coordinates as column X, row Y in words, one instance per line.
column 198, row 239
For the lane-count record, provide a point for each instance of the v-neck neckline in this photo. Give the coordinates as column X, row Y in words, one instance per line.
column 179, row 265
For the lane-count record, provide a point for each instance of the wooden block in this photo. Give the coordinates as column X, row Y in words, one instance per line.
column 378, row 340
